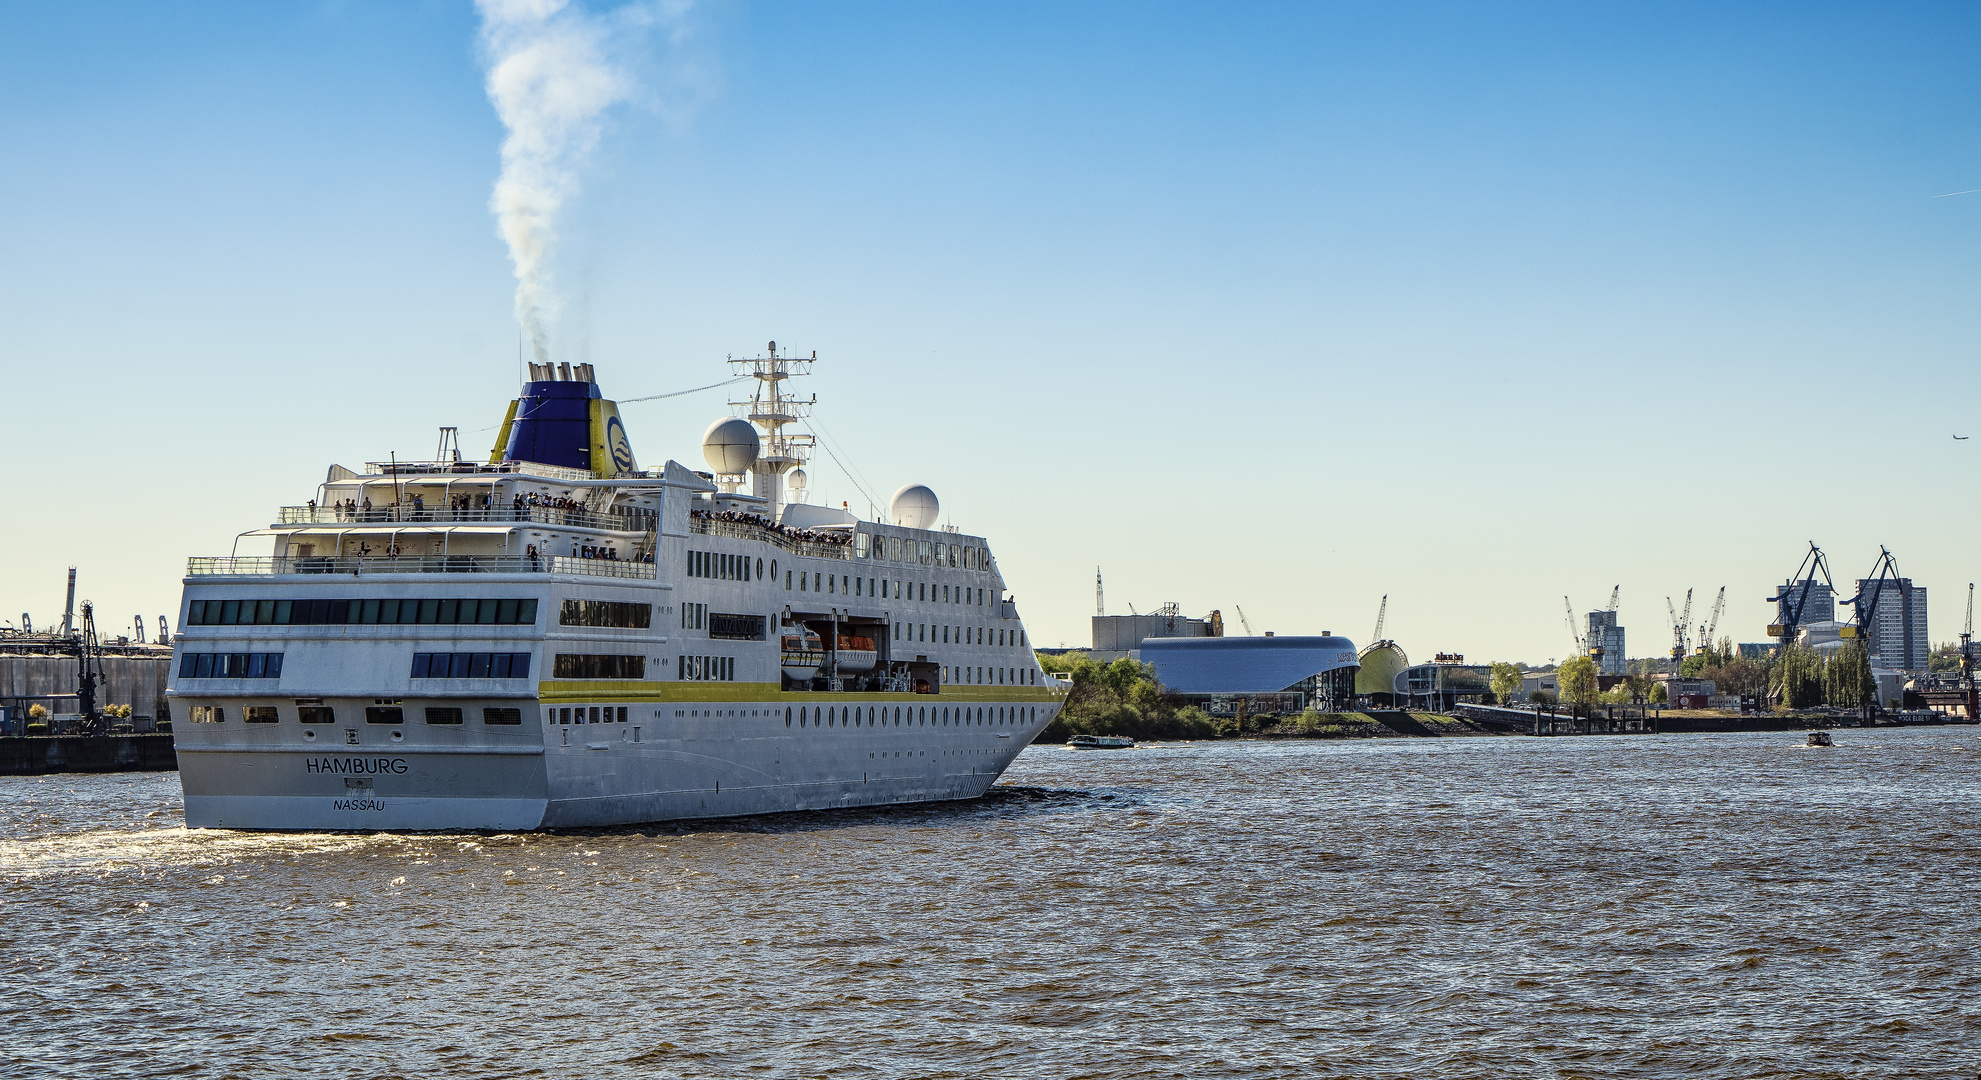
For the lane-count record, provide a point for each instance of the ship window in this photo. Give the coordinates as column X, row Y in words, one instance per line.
column 787, row 581
column 860, row 542
column 857, row 584
column 923, row 592
column 815, row 581
column 206, row 714
column 259, row 714
column 760, row 569
column 384, row 714
column 368, row 611
column 622, row 714
column 563, row 715
column 315, row 714
column 203, row 665
column 897, row 631
column 787, row 716
column 831, row 585
column 801, row 718
column 443, row 714
column 429, row 611
column 598, row 666
column 501, row 716
column 773, row 569
column 449, row 610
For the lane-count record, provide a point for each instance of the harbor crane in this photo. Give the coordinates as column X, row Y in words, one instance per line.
column 1243, row 621
column 1100, row 598
column 1681, row 624
column 1792, row 599
column 1581, row 643
column 1966, row 646
column 1712, row 623
column 1382, row 612
column 85, row 647
column 1884, row 574
column 1615, row 592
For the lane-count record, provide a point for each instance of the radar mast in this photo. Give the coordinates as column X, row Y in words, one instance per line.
column 771, row 408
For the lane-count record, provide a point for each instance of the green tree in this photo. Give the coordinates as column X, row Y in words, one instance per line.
column 1847, row 679
column 1798, row 677
column 1577, row 679
column 1944, row 659
column 1506, row 682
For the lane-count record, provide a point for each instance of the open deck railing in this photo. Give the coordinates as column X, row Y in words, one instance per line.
column 255, row 565
column 543, row 515
column 744, row 530
column 474, row 468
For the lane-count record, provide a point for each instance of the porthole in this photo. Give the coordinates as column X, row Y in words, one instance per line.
column 801, row 718
column 760, row 568
column 787, row 716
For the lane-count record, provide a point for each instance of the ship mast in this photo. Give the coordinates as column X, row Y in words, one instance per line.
column 771, row 408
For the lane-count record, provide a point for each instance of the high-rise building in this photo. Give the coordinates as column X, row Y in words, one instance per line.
column 1606, row 635
column 1818, row 603
column 1897, row 628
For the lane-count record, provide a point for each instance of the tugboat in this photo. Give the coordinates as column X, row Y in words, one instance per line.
column 1819, row 738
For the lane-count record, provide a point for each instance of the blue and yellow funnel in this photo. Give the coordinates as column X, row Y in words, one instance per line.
column 561, row 420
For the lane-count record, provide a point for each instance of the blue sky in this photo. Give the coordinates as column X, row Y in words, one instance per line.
column 1286, row 307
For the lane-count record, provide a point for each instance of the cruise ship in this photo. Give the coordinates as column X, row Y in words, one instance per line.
column 559, row 638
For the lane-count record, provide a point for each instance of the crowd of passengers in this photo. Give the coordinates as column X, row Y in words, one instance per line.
column 811, row 536
column 552, row 509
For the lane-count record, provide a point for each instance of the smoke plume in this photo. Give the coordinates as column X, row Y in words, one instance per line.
column 551, row 81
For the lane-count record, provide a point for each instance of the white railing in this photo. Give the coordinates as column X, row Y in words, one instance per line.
column 745, row 530
column 544, row 515
column 473, row 468
column 258, row 565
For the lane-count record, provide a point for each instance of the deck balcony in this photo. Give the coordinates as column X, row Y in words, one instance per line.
column 265, row 565
column 540, row 515
column 747, row 530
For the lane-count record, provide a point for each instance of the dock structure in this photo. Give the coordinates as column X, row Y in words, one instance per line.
column 42, row 755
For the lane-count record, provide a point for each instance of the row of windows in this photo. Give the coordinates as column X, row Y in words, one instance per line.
column 609, row 613
column 991, row 676
column 433, row 610
column 471, row 665
column 707, row 669
column 922, row 716
column 238, row 665
column 563, row 716
column 960, row 635
column 594, row 666
column 374, row 714
column 925, row 552
column 725, row 567
column 738, row 627
column 884, row 588
column 694, row 616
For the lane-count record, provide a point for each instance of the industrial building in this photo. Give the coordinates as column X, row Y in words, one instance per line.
column 1443, row 683
column 1271, row 674
column 1897, row 630
column 1118, row 636
column 1605, row 640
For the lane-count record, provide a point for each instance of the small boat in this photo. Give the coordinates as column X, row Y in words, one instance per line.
column 1819, row 738
column 1101, row 742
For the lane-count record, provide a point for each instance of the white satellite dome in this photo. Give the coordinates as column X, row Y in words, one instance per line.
column 914, row 506
column 730, row 446
column 798, row 480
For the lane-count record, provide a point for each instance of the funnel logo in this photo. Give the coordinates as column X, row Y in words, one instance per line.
column 615, row 441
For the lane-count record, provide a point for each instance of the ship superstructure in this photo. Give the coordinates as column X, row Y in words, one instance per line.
column 556, row 637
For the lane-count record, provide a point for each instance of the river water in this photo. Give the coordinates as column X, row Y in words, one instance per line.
column 1696, row 906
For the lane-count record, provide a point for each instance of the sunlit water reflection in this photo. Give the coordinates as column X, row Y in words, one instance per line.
column 1720, row 906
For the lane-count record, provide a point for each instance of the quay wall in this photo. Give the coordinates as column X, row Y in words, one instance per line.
column 137, row 681
column 40, row 755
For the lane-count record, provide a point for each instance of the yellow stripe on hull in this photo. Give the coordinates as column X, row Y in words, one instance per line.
column 572, row 692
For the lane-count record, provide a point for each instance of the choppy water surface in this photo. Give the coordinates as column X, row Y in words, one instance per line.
column 1725, row 906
